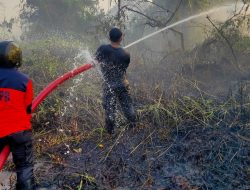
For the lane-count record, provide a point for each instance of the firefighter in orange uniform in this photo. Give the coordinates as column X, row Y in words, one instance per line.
column 16, row 95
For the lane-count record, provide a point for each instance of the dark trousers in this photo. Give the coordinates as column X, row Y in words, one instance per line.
column 110, row 98
column 21, row 148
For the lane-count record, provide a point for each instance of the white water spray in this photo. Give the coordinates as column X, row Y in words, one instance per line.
column 84, row 56
column 180, row 22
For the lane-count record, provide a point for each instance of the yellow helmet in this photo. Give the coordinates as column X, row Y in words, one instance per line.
column 10, row 54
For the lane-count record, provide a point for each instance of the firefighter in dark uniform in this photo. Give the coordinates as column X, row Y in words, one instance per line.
column 16, row 94
column 114, row 61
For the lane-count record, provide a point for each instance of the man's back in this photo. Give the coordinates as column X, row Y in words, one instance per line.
column 114, row 62
column 15, row 96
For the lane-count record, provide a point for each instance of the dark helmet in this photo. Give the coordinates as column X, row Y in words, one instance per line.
column 10, row 55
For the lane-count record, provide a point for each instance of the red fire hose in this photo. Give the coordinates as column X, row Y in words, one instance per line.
column 41, row 96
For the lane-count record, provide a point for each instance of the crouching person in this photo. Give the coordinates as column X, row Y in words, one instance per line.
column 16, row 94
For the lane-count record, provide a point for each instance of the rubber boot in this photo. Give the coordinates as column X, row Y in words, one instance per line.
column 26, row 185
column 109, row 126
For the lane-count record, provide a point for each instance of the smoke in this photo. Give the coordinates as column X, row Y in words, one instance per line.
column 205, row 63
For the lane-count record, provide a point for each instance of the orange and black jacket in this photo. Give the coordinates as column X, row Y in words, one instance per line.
column 16, row 95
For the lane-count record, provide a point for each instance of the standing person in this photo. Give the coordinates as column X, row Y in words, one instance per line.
column 114, row 61
column 16, row 94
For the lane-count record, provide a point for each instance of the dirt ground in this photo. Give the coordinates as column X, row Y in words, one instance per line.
column 194, row 158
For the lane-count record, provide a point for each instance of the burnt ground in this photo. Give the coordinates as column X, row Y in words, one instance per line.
column 188, row 157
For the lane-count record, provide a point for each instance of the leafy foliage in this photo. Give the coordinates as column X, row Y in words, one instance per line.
column 66, row 16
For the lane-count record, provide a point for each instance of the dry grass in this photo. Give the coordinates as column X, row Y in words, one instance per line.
column 184, row 143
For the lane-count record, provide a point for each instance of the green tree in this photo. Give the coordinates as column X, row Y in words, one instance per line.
column 66, row 16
